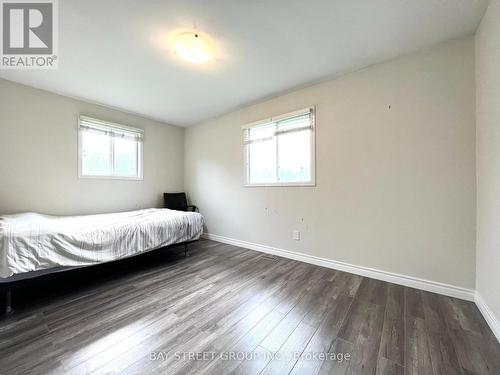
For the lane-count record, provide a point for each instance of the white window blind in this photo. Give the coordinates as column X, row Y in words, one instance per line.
column 280, row 150
column 109, row 150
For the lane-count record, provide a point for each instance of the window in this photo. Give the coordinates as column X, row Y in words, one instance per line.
column 108, row 150
column 280, row 150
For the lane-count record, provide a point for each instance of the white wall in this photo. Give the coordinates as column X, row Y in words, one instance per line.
column 395, row 186
column 38, row 157
column 488, row 159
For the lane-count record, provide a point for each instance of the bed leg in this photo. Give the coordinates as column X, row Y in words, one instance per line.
column 8, row 299
column 186, row 252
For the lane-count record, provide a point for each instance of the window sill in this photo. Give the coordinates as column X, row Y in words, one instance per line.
column 284, row 184
column 111, row 178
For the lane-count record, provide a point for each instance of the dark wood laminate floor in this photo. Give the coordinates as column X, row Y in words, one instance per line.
column 225, row 302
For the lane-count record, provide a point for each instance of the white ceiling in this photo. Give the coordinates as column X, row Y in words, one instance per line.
column 116, row 52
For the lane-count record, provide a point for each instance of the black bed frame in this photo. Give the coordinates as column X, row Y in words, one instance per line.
column 6, row 288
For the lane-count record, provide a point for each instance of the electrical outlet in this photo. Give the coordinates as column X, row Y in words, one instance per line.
column 296, row 235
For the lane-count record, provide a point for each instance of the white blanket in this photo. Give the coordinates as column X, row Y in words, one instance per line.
column 32, row 242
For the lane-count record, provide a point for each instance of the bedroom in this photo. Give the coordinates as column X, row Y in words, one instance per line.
column 338, row 161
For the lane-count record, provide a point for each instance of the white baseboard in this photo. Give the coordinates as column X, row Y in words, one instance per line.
column 409, row 281
column 488, row 315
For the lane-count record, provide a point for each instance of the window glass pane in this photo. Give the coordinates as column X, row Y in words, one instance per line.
column 262, row 159
column 125, row 157
column 281, row 150
column 96, row 154
column 294, row 156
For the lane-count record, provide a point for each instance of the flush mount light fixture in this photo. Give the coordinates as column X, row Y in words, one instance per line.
column 192, row 47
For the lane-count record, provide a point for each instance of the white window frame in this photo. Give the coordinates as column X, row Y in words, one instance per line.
column 246, row 166
column 111, row 126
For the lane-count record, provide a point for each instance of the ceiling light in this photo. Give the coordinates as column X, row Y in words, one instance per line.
column 192, row 47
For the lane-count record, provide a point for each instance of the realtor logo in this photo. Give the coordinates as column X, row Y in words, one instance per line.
column 29, row 39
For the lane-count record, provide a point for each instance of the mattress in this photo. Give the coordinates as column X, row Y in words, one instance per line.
column 33, row 242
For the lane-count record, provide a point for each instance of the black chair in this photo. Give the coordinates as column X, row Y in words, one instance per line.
column 178, row 202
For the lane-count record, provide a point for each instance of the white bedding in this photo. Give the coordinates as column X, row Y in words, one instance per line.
column 33, row 242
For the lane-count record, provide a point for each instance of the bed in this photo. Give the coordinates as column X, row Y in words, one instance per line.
column 32, row 244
